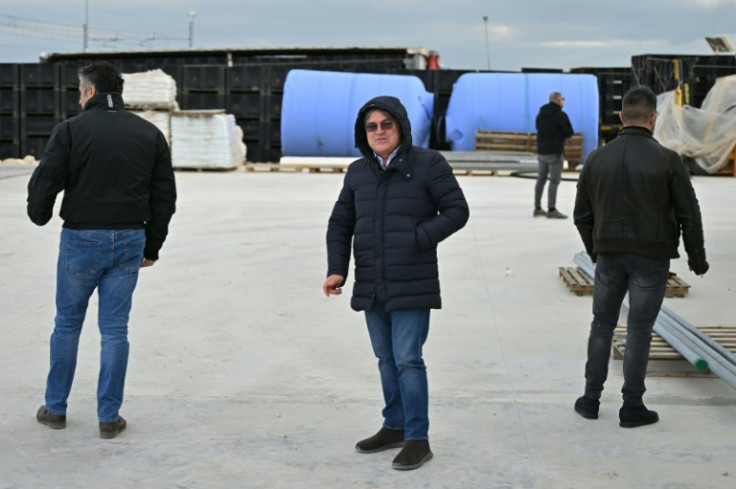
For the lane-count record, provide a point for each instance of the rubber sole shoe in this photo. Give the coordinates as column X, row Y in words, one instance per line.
column 540, row 213
column 414, row 454
column 53, row 421
column 587, row 408
column 633, row 417
column 113, row 429
column 383, row 440
column 555, row 214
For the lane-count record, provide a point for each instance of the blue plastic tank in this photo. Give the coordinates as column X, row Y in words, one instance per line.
column 319, row 109
column 511, row 101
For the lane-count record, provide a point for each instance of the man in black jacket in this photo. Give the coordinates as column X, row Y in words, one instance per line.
column 396, row 204
column 553, row 127
column 119, row 196
column 634, row 198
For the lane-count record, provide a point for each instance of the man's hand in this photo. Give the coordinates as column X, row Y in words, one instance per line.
column 148, row 263
column 332, row 285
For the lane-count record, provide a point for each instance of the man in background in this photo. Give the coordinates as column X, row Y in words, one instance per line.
column 119, row 196
column 634, row 198
column 553, row 127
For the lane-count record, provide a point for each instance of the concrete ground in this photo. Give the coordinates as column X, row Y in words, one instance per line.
column 243, row 375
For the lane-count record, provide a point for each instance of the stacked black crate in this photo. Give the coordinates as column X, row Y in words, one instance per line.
column 69, row 91
column 39, row 106
column 613, row 83
column 706, row 71
column 9, row 111
column 254, row 95
column 202, row 87
column 664, row 72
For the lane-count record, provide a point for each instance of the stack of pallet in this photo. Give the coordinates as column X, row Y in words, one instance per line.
column 525, row 142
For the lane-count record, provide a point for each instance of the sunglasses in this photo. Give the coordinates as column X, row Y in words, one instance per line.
column 385, row 126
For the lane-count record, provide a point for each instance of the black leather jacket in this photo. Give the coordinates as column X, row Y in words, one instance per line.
column 634, row 196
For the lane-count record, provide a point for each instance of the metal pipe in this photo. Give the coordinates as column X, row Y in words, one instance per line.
column 723, row 351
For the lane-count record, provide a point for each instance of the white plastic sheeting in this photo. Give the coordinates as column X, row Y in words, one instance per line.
column 149, row 90
column 206, row 139
column 708, row 134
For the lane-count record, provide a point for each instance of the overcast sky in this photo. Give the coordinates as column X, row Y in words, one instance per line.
column 560, row 34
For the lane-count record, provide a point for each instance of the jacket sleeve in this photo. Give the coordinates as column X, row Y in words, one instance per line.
column 583, row 214
column 565, row 126
column 162, row 201
column 453, row 210
column 50, row 177
column 340, row 230
column 687, row 212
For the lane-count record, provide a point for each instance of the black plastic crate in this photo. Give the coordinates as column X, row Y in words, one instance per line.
column 9, row 149
column 37, row 125
column 39, row 101
column 34, row 146
column 253, row 132
column 9, row 127
column 9, row 75
column 70, row 103
column 69, row 76
column 246, row 78
column 39, row 75
column 203, row 78
column 9, row 100
column 202, row 101
column 244, row 104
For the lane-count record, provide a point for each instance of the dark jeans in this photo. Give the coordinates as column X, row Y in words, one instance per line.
column 645, row 279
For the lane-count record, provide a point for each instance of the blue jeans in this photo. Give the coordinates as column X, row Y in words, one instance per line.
column 106, row 260
column 397, row 338
column 645, row 279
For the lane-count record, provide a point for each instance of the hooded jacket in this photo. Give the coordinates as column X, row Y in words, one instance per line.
column 395, row 219
column 634, row 196
column 553, row 127
column 115, row 170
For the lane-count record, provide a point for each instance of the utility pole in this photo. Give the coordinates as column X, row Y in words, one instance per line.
column 86, row 25
column 488, row 53
column 192, row 15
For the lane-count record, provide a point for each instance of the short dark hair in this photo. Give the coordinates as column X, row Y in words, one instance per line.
column 639, row 103
column 103, row 75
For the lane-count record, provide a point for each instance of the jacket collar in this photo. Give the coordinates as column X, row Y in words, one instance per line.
column 636, row 130
column 108, row 101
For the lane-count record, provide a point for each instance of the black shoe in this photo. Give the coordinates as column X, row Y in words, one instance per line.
column 113, row 429
column 383, row 440
column 53, row 421
column 555, row 214
column 414, row 454
column 587, row 408
column 540, row 213
column 633, row 416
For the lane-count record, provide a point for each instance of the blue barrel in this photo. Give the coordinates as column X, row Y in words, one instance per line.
column 319, row 109
column 511, row 101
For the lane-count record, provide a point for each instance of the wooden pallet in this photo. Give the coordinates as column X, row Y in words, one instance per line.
column 665, row 360
column 581, row 283
column 525, row 142
column 577, row 280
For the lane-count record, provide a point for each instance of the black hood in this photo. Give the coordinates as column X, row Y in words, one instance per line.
column 550, row 110
column 390, row 105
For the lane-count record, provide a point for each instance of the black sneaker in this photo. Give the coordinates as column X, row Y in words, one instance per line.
column 113, row 429
column 555, row 214
column 634, row 416
column 383, row 440
column 587, row 408
column 53, row 421
column 540, row 213
column 414, row 454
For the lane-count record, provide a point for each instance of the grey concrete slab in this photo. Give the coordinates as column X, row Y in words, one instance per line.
column 242, row 374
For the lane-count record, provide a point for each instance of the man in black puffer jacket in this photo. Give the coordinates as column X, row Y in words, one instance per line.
column 397, row 204
column 634, row 197
column 119, row 196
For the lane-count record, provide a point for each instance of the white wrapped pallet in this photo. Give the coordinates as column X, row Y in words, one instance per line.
column 205, row 139
column 158, row 118
column 152, row 89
